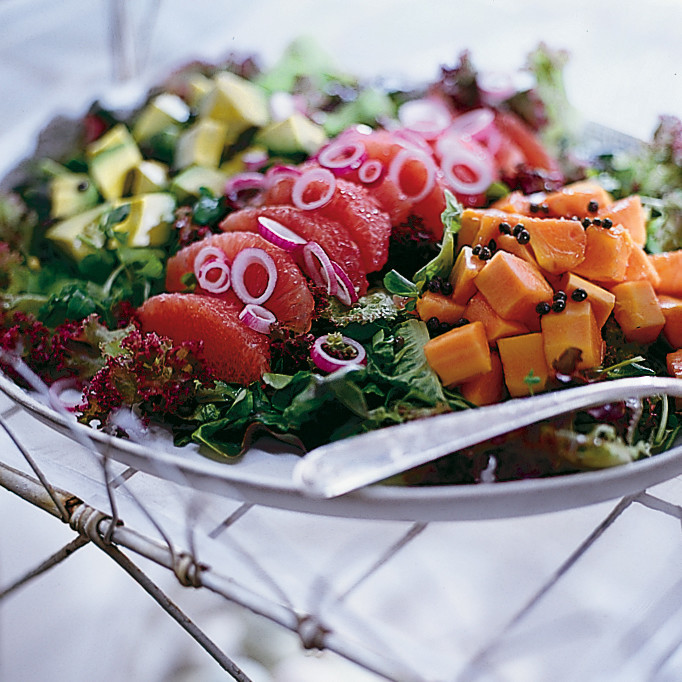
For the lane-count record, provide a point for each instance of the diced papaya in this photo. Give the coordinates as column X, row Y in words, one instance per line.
column 444, row 308
column 488, row 388
column 470, row 221
column 514, row 202
column 478, row 309
column 668, row 265
column 607, row 252
column 523, row 361
column 513, row 288
column 577, row 199
column 629, row 213
column 674, row 363
column 490, row 230
column 573, row 327
column 638, row 311
column 671, row 308
column 601, row 300
column 558, row 244
column 460, row 354
column 640, row 266
column 463, row 274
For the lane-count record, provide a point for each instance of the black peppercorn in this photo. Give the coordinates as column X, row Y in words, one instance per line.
column 434, row 285
column 444, row 327
column 607, row 223
column 543, row 308
column 485, row 253
column 593, row 206
column 559, row 305
column 596, row 221
column 579, row 295
column 432, row 324
column 476, row 250
column 534, row 208
column 492, row 245
column 586, row 222
column 504, row 228
column 517, row 228
column 560, row 296
column 446, row 288
column 461, row 322
column 545, row 208
column 523, row 236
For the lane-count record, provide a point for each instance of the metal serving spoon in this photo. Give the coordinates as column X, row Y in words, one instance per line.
column 352, row 463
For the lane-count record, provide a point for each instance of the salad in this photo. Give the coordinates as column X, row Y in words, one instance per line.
column 291, row 252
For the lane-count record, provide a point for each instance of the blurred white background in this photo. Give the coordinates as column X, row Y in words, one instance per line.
column 56, row 57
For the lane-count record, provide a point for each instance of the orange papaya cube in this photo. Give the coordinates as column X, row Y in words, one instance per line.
column 673, row 362
column 513, row 288
column 640, row 266
column 607, row 252
column 463, row 274
column 576, row 200
column 444, row 308
column 490, row 230
column 488, row 388
column 601, row 300
column 573, row 327
column 470, row 221
column 460, row 354
column 671, row 308
column 668, row 265
column 523, row 362
column 478, row 309
column 558, row 244
column 514, row 202
column 629, row 213
column 638, row 311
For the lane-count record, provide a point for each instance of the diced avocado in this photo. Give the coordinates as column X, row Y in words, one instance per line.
column 79, row 235
column 149, row 220
column 294, row 134
column 164, row 110
column 201, row 144
column 146, row 177
column 188, row 183
column 198, row 86
column 237, row 102
column 71, row 193
column 110, row 158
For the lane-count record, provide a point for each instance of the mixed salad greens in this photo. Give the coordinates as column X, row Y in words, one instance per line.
column 68, row 303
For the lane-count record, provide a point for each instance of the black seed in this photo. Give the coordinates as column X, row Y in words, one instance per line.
column 83, row 186
column 607, row 223
column 517, row 228
column 593, row 206
column 579, row 295
column 545, row 208
column 543, row 308
column 504, row 228
column 461, row 322
column 434, row 286
column 523, row 237
column 560, row 296
column 432, row 324
column 444, row 327
column 586, row 222
column 446, row 288
column 596, row 221
column 476, row 250
column 492, row 245
column 485, row 253
column 559, row 305
column 534, row 208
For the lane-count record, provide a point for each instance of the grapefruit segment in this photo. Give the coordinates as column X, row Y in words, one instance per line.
column 231, row 350
column 291, row 300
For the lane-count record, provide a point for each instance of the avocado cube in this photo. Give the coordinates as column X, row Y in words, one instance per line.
column 163, row 111
column 297, row 133
column 79, row 235
column 188, row 183
column 198, row 86
column 71, row 193
column 110, row 158
column 237, row 102
column 149, row 220
column 201, row 144
column 146, row 177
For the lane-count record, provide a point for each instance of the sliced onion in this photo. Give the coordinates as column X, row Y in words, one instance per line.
column 328, row 363
column 309, row 180
column 345, row 291
column 212, row 258
column 214, row 285
column 404, row 157
column 495, row 86
column 428, row 117
column 479, row 125
column 276, row 172
column 257, row 317
column 279, row 235
column 411, row 140
column 342, row 157
column 240, row 188
column 254, row 159
column 319, row 268
column 245, row 259
column 371, row 172
column 473, row 164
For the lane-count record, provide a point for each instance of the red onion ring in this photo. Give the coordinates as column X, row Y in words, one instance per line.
column 279, row 235
column 428, row 117
column 345, row 291
column 405, row 156
column 342, row 157
column 371, row 172
column 411, row 140
column 278, row 171
column 475, row 164
column 479, row 125
column 257, row 317
column 319, row 268
column 212, row 258
column 243, row 260
column 254, row 159
column 328, row 363
column 307, row 181
column 236, row 186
